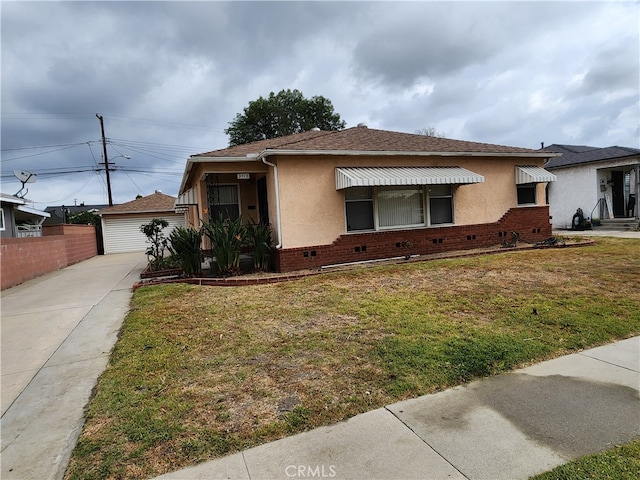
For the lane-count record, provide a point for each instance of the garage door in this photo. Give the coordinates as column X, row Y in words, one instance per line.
column 123, row 234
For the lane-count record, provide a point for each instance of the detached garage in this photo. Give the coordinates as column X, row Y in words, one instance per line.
column 121, row 223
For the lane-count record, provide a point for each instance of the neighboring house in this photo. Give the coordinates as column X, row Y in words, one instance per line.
column 361, row 194
column 603, row 182
column 60, row 213
column 121, row 223
column 18, row 218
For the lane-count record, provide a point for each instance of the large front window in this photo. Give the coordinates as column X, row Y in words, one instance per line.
column 381, row 208
column 400, row 207
column 223, row 200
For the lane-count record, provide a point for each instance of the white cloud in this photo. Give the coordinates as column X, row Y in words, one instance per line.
column 175, row 73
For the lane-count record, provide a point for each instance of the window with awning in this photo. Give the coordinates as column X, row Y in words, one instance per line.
column 378, row 198
column 527, row 177
column 347, row 177
column 533, row 174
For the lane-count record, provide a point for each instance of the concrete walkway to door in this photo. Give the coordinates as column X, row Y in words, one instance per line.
column 57, row 333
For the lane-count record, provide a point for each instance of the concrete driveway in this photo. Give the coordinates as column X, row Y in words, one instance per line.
column 57, row 333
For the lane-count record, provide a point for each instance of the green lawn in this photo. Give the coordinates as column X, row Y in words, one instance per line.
column 200, row 372
column 620, row 463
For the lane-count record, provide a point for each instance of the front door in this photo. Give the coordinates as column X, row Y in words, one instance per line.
column 263, row 204
column 617, row 194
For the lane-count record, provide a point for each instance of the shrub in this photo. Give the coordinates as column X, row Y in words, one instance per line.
column 258, row 238
column 153, row 232
column 227, row 237
column 185, row 245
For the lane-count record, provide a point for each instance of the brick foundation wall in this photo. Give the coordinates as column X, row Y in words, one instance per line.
column 531, row 223
column 22, row 259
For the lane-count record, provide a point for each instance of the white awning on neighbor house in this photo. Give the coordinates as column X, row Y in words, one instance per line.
column 393, row 176
column 33, row 211
column 533, row 174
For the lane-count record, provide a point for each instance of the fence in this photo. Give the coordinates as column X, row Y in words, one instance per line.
column 22, row 259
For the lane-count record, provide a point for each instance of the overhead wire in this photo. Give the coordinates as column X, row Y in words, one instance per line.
column 5, row 160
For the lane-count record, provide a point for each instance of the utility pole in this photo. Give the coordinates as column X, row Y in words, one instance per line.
column 106, row 160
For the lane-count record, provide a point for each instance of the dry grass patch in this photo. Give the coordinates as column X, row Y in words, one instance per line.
column 201, row 372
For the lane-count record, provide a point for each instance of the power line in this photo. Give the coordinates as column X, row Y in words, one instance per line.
column 43, row 146
column 5, row 160
column 108, row 116
column 162, row 122
column 164, row 146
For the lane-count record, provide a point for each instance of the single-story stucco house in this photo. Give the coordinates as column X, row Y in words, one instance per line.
column 361, row 194
column 603, row 182
column 121, row 223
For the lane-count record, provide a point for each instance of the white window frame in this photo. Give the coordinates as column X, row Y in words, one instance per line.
column 426, row 206
column 453, row 209
column 371, row 200
column 2, row 225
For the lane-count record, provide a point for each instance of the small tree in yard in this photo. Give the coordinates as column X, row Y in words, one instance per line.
column 153, row 232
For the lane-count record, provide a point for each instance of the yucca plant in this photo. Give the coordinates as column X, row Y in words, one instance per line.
column 258, row 238
column 227, row 237
column 185, row 245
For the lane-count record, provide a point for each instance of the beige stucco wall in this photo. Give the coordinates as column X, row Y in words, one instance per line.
column 312, row 211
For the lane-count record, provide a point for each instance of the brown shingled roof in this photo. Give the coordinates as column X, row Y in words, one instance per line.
column 365, row 140
column 155, row 203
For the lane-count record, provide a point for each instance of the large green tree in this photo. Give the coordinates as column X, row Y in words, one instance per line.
column 280, row 114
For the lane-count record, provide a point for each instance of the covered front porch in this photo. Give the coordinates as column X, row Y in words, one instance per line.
column 230, row 191
column 619, row 193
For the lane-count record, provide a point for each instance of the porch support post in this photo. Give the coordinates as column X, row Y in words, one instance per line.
column 637, row 181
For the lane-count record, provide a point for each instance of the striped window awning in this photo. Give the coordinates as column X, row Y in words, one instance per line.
column 394, row 176
column 533, row 174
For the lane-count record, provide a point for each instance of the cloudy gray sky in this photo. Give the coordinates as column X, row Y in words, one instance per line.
column 168, row 77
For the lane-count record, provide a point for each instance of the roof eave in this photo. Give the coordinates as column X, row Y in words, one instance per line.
column 602, row 160
column 128, row 212
column 388, row 153
column 251, row 157
column 33, row 211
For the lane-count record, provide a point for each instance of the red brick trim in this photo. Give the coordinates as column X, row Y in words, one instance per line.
column 263, row 280
column 531, row 223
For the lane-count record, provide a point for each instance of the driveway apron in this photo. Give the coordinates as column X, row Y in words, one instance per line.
column 57, row 333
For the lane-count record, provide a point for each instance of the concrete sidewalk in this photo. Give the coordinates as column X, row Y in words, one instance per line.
column 598, row 232
column 510, row 426
column 57, row 333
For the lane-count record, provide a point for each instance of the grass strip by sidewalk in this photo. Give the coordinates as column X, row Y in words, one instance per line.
column 619, row 463
column 201, row 372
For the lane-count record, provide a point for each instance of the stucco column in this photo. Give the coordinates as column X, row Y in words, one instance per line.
column 637, row 182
